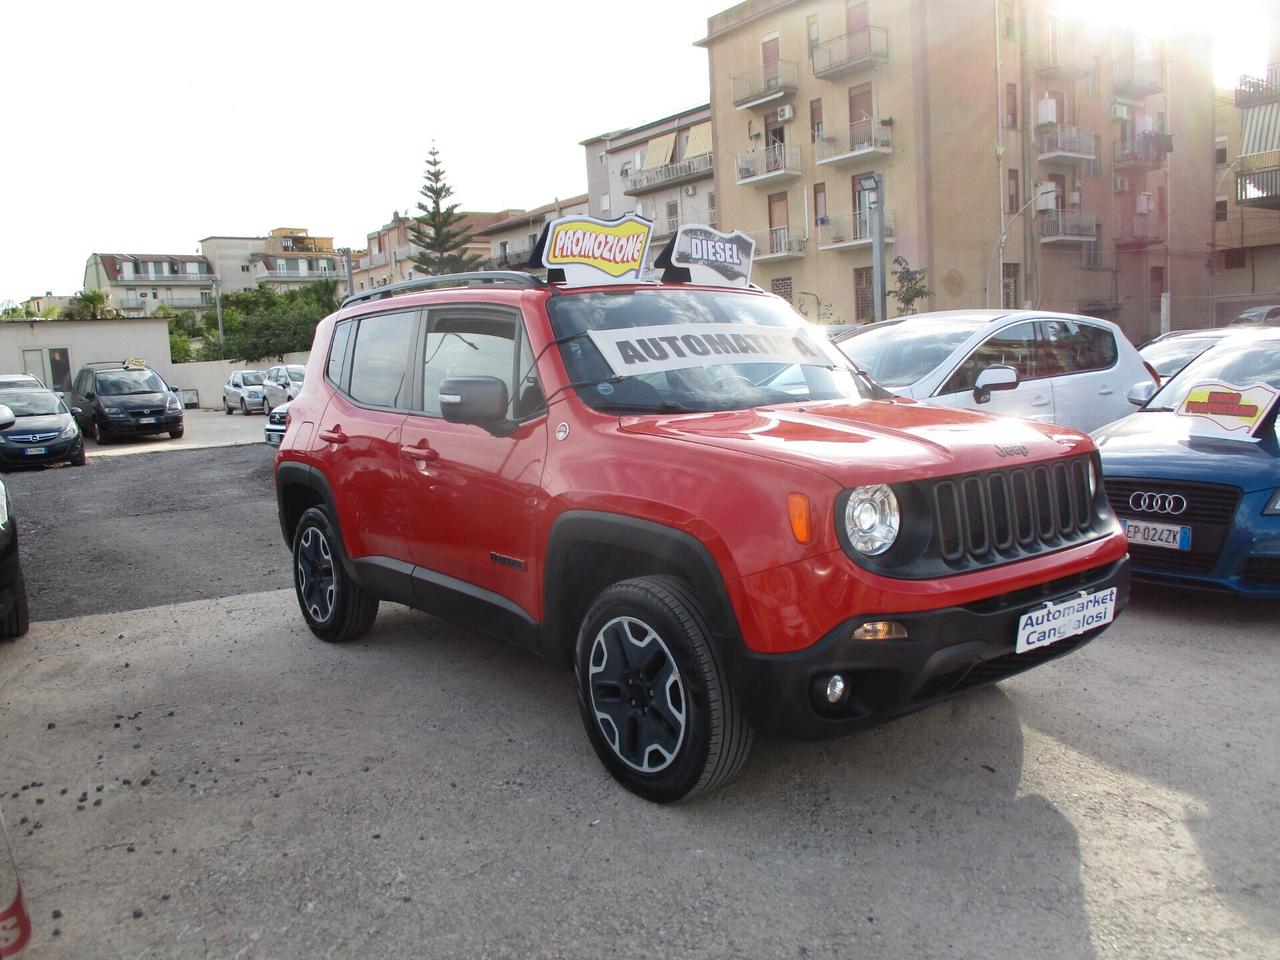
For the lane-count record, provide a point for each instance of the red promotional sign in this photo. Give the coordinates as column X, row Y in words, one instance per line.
column 15, row 927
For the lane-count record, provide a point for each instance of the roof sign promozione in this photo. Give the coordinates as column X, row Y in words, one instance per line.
column 592, row 252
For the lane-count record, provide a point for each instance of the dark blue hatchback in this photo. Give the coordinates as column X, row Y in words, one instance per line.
column 1203, row 512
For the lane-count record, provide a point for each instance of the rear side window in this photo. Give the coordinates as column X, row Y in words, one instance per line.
column 336, row 369
column 1069, row 347
column 380, row 359
column 1013, row 346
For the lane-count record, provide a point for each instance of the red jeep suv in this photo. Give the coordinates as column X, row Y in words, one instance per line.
column 719, row 545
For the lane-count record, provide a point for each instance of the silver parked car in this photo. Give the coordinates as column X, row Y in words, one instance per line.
column 274, row 430
column 282, row 384
column 243, row 392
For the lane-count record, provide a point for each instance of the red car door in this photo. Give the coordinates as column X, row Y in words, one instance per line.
column 473, row 497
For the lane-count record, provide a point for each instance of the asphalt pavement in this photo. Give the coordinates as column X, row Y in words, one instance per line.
column 186, row 772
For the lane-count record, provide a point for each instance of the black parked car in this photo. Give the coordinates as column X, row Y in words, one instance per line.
column 13, row 591
column 124, row 399
column 38, row 428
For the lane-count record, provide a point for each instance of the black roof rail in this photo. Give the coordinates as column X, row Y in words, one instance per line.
column 478, row 278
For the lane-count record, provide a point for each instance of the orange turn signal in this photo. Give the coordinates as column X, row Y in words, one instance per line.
column 798, row 512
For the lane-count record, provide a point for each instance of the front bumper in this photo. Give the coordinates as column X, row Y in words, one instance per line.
column 274, row 435
column 130, row 427
column 950, row 650
column 56, row 451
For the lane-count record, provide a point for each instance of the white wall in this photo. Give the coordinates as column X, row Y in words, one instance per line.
column 208, row 376
column 87, row 340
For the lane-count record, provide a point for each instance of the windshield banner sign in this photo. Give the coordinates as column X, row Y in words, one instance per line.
column 1225, row 410
column 711, row 257
column 592, row 251
column 632, row 351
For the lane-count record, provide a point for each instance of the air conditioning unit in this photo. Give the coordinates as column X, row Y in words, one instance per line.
column 689, row 189
column 1047, row 112
column 1119, row 111
column 786, row 112
column 1145, row 203
column 1120, row 184
column 1073, row 198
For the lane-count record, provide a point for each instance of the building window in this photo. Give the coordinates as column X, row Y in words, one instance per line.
column 819, row 203
column 781, row 287
column 1010, row 285
column 1091, row 82
column 1220, row 210
column 1013, row 197
column 1220, row 151
column 1092, row 253
column 626, row 170
column 600, row 159
column 864, row 294
column 811, row 29
column 1233, row 259
column 815, row 120
column 604, row 203
column 1011, row 105
column 711, row 208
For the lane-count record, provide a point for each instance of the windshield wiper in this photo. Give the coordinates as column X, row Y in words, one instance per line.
column 662, row 406
column 1156, row 410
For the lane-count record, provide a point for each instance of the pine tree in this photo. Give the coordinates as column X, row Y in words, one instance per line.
column 437, row 229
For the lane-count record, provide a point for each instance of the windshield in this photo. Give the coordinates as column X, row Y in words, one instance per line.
column 681, row 370
column 900, row 353
column 118, row 383
column 37, row 403
column 1239, row 364
column 1170, row 356
column 295, row 373
column 252, row 378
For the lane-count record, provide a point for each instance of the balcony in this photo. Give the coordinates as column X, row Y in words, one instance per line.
column 768, row 164
column 767, row 83
column 1145, row 152
column 863, row 139
column 868, row 47
column 1064, row 58
column 372, row 260
column 1259, row 184
column 670, row 174
column 510, row 260
column 177, row 303
column 1136, row 76
column 1140, row 230
column 779, row 243
column 166, row 279
column 665, row 226
column 1255, row 91
column 851, row 231
column 303, row 276
column 1066, row 145
column 1067, row 226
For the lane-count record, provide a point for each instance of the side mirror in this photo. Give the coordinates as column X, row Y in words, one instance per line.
column 89, row 395
column 7, row 419
column 479, row 400
column 76, row 411
column 1141, row 392
column 59, row 394
column 998, row 376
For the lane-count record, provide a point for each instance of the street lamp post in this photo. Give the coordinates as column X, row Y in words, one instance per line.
column 217, row 306
column 1045, row 190
column 873, row 185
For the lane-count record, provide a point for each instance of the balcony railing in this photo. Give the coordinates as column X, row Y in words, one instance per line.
column 511, row 260
column 1067, row 144
column 1141, row 230
column 851, row 230
column 1254, row 91
column 766, row 83
column 665, row 226
column 1146, row 151
column 178, row 303
column 867, row 47
column 1064, row 58
column 1067, row 226
column 1259, row 186
column 769, row 163
column 779, row 243
column 373, row 260
column 1136, row 76
column 166, row 278
column 669, row 174
column 278, row 274
column 855, row 142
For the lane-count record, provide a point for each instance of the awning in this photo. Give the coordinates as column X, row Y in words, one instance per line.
column 699, row 140
column 658, row 153
column 1261, row 134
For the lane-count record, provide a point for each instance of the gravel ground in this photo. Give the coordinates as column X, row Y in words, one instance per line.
column 429, row 792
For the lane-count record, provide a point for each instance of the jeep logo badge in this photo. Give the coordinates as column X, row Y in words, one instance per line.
column 1013, row 450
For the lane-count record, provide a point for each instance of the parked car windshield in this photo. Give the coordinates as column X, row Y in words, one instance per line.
column 1240, row 364
column 252, row 378
column 117, row 383
column 690, row 377
column 37, row 403
column 898, row 353
column 1170, row 356
column 295, row 373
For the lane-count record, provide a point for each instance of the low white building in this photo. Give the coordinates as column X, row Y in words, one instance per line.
column 55, row 350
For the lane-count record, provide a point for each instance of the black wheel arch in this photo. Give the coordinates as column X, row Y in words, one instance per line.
column 300, row 486
column 588, row 550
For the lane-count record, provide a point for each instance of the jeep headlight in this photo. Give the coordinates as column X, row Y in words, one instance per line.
column 872, row 519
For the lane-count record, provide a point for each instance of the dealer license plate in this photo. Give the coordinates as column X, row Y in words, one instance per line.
column 146, row 419
column 1056, row 621
column 35, row 451
column 1171, row 536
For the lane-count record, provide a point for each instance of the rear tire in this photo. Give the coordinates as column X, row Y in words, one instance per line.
column 655, row 699
column 15, row 622
column 335, row 608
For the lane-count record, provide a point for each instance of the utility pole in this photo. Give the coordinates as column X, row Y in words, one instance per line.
column 351, row 286
column 873, row 185
column 217, row 306
column 999, row 250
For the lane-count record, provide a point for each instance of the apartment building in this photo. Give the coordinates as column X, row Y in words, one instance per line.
column 389, row 250
column 967, row 112
column 1247, row 203
column 664, row 170
column 137, row 283
column 286, row 257
column 512, row 238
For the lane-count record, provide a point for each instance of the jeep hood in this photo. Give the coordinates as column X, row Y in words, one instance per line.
column 870, row 441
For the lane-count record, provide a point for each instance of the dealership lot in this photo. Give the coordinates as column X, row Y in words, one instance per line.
column 429, row 791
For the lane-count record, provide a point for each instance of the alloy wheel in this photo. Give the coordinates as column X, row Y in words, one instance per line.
column 316, row 574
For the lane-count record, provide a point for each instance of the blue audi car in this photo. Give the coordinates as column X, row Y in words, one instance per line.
column 1200, row 512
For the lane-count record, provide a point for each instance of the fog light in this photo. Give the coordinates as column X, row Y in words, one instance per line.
column 836, row 688
column 881, row 630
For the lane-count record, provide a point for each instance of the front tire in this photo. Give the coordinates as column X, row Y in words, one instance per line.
column 244, row 408
column 99, row 437
column 656, row 702
column 335, row 608
column 77, row 459
column 177, row 434
column 15, row 622
column 226, row 407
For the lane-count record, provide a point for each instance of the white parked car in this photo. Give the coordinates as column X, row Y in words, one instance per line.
column 282, row 383
column 1054, row 367
column 243, row 392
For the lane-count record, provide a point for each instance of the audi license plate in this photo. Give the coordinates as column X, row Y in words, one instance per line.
column 1066, row 618
column 35, row 451
column 146, row 419
column 1171, row 536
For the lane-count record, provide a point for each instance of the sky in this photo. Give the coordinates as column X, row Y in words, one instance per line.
column 143, row 128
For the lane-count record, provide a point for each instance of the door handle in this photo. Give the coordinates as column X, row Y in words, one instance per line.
column 334, row 436
column 421, row 453
column 1040, row 401
column 1105, row 392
